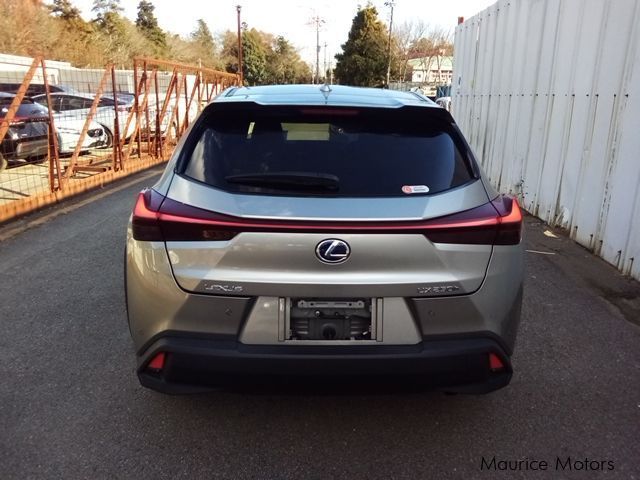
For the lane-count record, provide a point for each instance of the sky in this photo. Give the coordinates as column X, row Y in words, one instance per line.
column 291, row 18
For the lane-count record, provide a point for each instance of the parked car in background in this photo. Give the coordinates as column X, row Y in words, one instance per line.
column 444, row 102
column 69, row 129
column 124, row 98
column 35, row 88
column 77, row 106
column 175, row 102
column 333, row 234
column 27, row 137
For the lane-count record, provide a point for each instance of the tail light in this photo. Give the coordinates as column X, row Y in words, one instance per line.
column 156, row 218
column 495, row 223
column 150, row 223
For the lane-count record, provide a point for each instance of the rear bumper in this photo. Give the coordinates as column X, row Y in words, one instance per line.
column 24, row 148
column 200, row 364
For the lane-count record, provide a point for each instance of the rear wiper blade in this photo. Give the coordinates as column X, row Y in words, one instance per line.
column 299, row 180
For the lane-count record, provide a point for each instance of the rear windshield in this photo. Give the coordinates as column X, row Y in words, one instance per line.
column 330, row 152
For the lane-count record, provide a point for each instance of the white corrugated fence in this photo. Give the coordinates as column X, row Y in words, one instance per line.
column 548, row 94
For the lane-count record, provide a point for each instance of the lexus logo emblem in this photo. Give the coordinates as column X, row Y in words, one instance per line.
column 333, row 251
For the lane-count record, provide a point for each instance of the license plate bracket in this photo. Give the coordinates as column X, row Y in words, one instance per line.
column 331, row 319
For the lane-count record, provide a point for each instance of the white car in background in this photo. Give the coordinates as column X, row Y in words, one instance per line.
column 76, row 106
column 69, row 130
column 28, row 132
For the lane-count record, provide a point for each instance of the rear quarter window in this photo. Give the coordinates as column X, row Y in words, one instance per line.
column 370, row 152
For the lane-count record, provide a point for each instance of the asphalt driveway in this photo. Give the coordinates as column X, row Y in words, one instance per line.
column 71, row 406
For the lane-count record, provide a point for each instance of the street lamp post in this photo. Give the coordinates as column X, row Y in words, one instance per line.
column 391, row 4
column 238, row 8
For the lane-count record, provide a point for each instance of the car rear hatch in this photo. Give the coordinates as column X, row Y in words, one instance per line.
column 260, row 190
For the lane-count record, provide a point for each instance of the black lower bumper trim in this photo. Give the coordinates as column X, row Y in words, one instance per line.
column 195, row 365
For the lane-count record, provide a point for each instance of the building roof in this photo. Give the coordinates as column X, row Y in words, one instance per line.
column 431, row 63
column 334, row 95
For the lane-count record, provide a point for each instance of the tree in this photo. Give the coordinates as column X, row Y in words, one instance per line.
column 268, row 59
column 435, row 43
column 281, row 60
column 64, row 10
column 147, row 23
column 203, row 38
column 229, row 53
column 108, row 17
column 254, row 58
column 118, row 36
column 200, row 47
column 27, row 28
column 76, row 40
column 106, row 11
column 56, row 29
column 284, row 65
column 404, row 37
column 363, row 60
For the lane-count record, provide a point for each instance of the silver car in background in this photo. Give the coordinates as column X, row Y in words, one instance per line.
column 75, row 107
column 326, row 233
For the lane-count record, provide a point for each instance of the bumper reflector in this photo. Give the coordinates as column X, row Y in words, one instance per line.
column 157, row 363
column 495, row 363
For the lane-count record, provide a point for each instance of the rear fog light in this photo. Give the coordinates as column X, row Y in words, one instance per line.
column 495, row 364
column 157, row 363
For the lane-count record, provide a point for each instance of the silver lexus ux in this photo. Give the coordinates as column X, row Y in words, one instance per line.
column 323, row 233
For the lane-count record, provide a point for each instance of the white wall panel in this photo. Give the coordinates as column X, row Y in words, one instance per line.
column 548, row 94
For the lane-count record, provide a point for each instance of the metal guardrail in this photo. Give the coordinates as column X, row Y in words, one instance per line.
column 64, row 134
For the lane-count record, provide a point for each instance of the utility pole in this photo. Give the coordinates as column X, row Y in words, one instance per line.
column 317, row 21
column 391, row 4
column 324, row 72
column 238, row 8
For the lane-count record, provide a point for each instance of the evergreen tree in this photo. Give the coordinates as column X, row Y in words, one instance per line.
column 114, row 30
column 108, row 17
column 202, row 36
column 363, row 60
column 254, row 58
column 106, row 10
column 147, row 23
column 65, row 10
column 284, row 64
column 229, row 51
column 268, row 59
